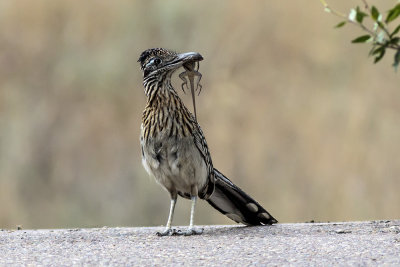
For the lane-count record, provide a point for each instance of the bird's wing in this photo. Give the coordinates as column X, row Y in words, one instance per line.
column 201, row 144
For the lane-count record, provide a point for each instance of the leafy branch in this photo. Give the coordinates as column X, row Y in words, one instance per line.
column 379, row 35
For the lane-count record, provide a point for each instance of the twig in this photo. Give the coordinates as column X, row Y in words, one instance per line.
column 372, row 33
column 366, row 4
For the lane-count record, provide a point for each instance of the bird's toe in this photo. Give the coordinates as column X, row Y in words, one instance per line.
column 167, row 232
column 191, row 231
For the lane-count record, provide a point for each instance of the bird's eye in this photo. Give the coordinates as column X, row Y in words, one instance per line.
column 153, row 62
column 157, row 61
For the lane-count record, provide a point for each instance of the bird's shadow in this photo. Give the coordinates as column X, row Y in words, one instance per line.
column 240, row 229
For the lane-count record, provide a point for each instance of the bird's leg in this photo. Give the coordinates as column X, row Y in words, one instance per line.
column 168, row 230
column 191, row 230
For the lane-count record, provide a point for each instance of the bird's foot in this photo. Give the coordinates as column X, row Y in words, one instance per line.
column 191, row 231
column 168, row 232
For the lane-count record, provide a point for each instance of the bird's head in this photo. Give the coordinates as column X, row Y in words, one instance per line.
column 160, row 61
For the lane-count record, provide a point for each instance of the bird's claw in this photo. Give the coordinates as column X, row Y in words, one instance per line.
column 190, row 231
column 168, row 232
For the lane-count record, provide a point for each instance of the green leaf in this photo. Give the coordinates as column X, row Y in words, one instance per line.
column 380, row 24
column 378, row 50
column 395, row 31
column 380, row 55
column 396, row 60
column 393, row 13
column 360, row 15
column 361, row 39
column 341, row 24
column 374, row 13
column 394, row 40
column 372, row 51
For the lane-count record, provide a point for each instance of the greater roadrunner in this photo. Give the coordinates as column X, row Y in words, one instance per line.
column 175, row 152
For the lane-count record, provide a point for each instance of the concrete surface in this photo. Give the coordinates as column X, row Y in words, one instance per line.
column 326, row 244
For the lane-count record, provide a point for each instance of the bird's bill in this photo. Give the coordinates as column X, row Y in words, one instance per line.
column 183, row 58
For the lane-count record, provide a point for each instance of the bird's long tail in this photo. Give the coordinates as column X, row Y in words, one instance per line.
column 230, row 200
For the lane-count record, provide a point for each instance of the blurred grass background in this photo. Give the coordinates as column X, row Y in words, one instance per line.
column 293, row 113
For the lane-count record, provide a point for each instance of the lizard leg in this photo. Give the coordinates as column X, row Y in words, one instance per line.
column 183, row 77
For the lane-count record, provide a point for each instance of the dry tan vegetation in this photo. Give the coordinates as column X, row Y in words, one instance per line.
column 293, row 113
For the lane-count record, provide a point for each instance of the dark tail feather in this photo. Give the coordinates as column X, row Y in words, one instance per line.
column 236, row 204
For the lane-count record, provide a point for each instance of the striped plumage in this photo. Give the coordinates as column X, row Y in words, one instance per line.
column 165, row 114
column 175, row 151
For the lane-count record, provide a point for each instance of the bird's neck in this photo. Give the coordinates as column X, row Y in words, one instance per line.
column 161, row 92
column 165, row 111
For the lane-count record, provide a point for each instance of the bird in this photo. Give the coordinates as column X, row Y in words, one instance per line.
column 175, row 152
